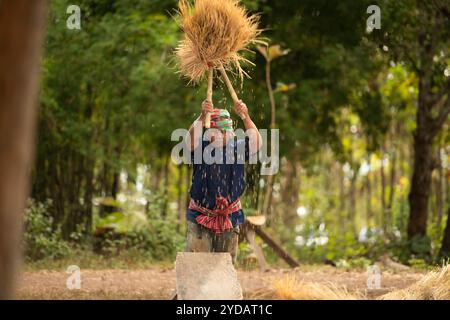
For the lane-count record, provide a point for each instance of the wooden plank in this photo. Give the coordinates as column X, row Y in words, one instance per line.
column 250, row 235
column 276, row 247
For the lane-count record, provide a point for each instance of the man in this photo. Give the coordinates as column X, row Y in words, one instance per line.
column 215, row 214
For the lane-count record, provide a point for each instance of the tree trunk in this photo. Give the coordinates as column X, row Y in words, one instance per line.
column 423, row 166
column 189, row 170
column 115, row 185
column 180, row 188
column 270, row 179
column 445, row 248
column 439, row 189
column 420, row 188
column 369, row 212
column 21, row 31
column 341, row 188
column 290, row 192
column 352, row 201
column 166, row 186
column 268, row 197
column 88, row 195
column 383, row 195
column 342, row 198
column 393, row 178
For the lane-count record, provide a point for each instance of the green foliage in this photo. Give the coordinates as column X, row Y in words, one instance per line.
column 421, row 246
column 418, row 263
column 157, row 238
column 42, row 240
column 406, row 251
column 163, row 237
column 157, row 241
column 160, row 240
column 360, row 263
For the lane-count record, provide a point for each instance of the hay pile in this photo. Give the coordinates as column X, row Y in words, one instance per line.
column 289, row 287
column 433, row 286
column 215, row 32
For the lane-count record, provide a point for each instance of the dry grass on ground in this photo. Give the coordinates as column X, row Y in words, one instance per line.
column 434, row 285
column 306, row 282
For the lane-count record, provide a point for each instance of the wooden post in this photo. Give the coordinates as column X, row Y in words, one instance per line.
column 230, row 86
column 250, row 236
column 209, row 94
column 276, row 247
column 21, row 32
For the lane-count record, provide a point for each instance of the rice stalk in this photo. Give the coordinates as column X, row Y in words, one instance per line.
column 216, row 32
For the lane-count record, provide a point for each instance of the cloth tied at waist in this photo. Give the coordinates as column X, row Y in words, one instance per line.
column 218, row 219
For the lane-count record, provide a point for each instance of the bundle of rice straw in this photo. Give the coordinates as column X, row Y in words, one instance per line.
column 290, row 287
column 434, row 285
column 215, row 32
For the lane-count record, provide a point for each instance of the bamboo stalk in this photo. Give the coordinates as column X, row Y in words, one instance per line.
column 209, row 94
column 230, row 87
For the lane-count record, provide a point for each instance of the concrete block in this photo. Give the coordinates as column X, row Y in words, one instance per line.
column 206, row 276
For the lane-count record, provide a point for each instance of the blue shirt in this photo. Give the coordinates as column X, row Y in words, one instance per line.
column 210, row 181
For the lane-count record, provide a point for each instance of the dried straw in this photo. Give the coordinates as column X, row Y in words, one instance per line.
column 291, row 287
column 215, row 32
column 433, row 286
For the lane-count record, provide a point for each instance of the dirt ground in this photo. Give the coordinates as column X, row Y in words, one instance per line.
column 159, row 283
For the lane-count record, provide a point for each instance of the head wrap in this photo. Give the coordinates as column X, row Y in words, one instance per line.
column 221, row 119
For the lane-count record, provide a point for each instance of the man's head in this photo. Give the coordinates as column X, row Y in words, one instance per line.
column 221, row 120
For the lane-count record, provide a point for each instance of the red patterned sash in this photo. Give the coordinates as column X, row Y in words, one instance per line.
column 217, row 220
